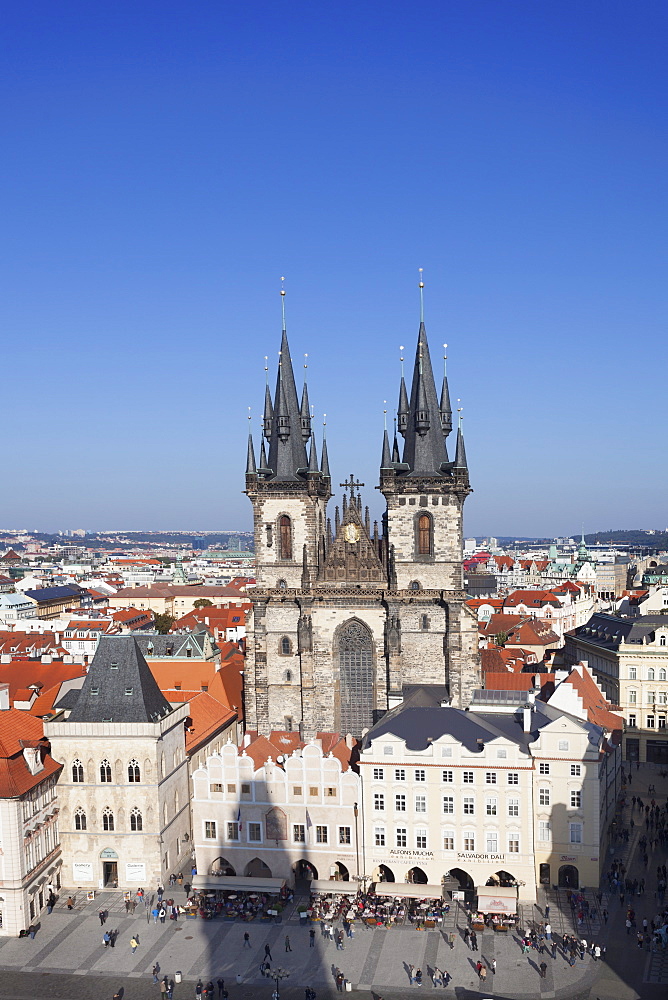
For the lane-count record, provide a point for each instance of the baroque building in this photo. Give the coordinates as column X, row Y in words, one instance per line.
column 344, row 615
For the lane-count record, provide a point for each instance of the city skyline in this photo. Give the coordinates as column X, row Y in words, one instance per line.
column 166, row 166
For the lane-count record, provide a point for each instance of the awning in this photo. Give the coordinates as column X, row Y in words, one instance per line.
column 413, row 890
column 332, row 885
column 233, row 883
column 497, row 898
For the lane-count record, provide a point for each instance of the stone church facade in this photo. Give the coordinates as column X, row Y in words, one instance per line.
column 344, row 615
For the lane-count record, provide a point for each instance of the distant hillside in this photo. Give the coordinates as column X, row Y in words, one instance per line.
column 630, row 536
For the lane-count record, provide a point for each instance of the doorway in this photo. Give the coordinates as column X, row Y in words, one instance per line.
column 110, row 874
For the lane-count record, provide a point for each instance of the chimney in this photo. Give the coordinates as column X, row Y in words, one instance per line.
column 4, row 697
column 247, row 740
column 526, row 720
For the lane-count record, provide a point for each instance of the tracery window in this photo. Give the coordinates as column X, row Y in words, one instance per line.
column 105, row 771
column 107, row 820
column 134, row 774
column 79, row 819
column 285, row 537
column 136, row 821
column 356, row 677
column 77, row 771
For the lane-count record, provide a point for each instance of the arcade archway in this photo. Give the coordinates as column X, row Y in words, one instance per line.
column 221, row 866
column 383, row 874
column 501, row 878
column 305, row 870
column 417, row 876
column 257, row 869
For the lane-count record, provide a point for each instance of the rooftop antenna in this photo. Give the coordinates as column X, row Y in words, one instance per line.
column 421, row 287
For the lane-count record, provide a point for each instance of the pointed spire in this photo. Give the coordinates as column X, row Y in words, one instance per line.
column 421, row 406
column 337, row 519
column 287, row 451
column 305, row 410
column 386, row 460
column 313, row 458
column 324, row 457
column 251, row 467
column 395, row 450
column 263, row 457
column 402, row 409
column 460, row 451
column 268, row 408
column 367, row 521
column 445, row 408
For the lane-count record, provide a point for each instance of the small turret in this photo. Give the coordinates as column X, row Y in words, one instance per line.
column 445, row 407
column 251, row 468
column 268, row 413
column 313, row 457
column 460, row 451
column 305, row 414
column 402, row 409
column 386, row 459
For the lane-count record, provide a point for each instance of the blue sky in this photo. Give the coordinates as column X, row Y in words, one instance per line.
column 165, row 163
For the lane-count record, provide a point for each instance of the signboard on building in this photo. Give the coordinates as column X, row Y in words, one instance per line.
column 135, row 872
column 472, row 856
column 82, row 871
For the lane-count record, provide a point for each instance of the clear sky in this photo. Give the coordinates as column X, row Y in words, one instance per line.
column 163, row 164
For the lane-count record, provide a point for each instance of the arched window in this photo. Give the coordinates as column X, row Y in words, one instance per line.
column 414, row 585
column 105, row 771
column 134, row 774
column 286, row 646
column 136, row 822
column 79, row 819
column 662, row 671
column 285, row 537
column 662, row 642
column 107, row 819
column 425, row 535
column 650, row 674
column 355, row 649
column 288, row 676
column 281, row 585
column 424, row 623
column 77, row 771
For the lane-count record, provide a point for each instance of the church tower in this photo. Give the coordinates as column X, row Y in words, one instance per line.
column 345, row 616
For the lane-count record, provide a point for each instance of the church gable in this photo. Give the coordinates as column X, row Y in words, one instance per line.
column 351, row 557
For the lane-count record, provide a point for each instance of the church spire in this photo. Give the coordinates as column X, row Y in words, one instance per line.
column 313, row 457
column 324, row 457
column 305, row 410
column 445, row 407
column 460, row 451
column 402, row 409
column 287, row 451
column 251, row 467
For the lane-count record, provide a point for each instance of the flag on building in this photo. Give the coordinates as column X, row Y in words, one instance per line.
column 241, row 826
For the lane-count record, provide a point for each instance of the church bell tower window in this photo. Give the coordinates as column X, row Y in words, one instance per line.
column 285, row 536
column 356, row 677
column 425, row 535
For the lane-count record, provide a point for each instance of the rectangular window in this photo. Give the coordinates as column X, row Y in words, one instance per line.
column 402, row 834
column 233, row 831
column 468, row 777
column 490, row 778
column 513, row 843
column 254, row 833
column 400, row 774
column 379, row 836
column 215, row 787
column 378, row 774
column 447, row 776
column 576, row 799
column 298, row 833
column 575, row 833
column 544, row 796
column 446, row 751
column 544, row 831
column 388, row 751
column 633, row 697
column 575, row 770
column 344, row 834
column 297, row 790
column 378, row 801
column 321, row 835
column 469, row 806
column 563, row 746
column 420, row 775
column 513, row 778
column 313, row 791
column 330, row 792
column 633, row 674
column 448, row 841
column 651, row 697
column 492, row 842
column 245, row 789
column 210, row 830
column 543, row 768
column 448, row 804
column 469, row 841
column 490, row 807
column 650, row 722
column 632, row 720
column 421, row 840
column 400, row 803
column 231, row 789
column 513, row 807
column 420, row 803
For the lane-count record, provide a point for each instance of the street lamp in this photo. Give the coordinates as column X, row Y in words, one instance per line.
column 277, row 975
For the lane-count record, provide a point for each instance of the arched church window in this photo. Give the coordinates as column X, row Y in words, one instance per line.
column 414, row 585
column 105, row 770
column 281, row 585
column 424, row 623
column 136, row 821
column 77, row 771
column 285, row 646
column 288, row 676
column 425, row 533
column 107, row 820
column 285, row 536
column 134, row 774
column 79, row 819
column 355, row 654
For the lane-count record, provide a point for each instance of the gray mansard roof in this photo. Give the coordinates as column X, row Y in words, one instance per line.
column 609, row 631
column 119, row 686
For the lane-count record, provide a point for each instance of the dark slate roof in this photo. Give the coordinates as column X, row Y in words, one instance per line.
column 119, row 686
column 609, row 631
column 420, row 720
column 174, row 644
column 287, row 453
column 425, row 451
column 53, row 593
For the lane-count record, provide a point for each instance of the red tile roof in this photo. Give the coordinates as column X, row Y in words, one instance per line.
column 593, row 699
column 207, row 717
column 280, row 743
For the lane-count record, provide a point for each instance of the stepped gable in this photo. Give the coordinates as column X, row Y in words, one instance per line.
column 351, row 556
column 119, row 686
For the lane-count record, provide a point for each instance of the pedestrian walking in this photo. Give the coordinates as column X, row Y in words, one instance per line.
column 102, row 915
column 267, row 953
column 597, row 952
column 605, row 916
column 199, row 988
column 311, row 936
column 474, row 941
column 543, row 970
column 547, row 911
column 134, row 944
column 106, row 939
column 127, row 905
column 493, row 966
column 163, row 988
column 467, row 935
column 247, row 943
column 483, row 974
column 155, row 913
column 548, row 931
column 287, row 943
column 221, row 987
column 70, row 903
column 156, row 970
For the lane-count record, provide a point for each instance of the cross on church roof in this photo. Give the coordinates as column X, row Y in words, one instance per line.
column 352, row 485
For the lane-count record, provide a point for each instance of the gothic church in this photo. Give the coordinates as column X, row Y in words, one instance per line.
column 345, row 615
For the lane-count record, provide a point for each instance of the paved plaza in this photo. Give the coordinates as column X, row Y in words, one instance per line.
column 68, row 959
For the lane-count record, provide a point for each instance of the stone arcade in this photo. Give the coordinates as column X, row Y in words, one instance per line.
column 345, row 615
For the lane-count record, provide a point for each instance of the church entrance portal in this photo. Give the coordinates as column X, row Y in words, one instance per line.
column 356, row 677
column 110, row 874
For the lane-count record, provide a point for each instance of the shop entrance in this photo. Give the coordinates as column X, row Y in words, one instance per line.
column 110, row 874
column 569, row 877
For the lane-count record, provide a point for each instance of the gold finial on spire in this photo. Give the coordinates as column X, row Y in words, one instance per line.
column 401, row 358
column 445, row 358
column 421, row 287
column 385, row 413
column 249, row 413
column 283, row 302
column 266, row 369
column 324, row 420
column 460, row 418
column 306, row 361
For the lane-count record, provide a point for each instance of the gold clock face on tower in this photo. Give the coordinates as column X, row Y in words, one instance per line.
column 351, row 533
